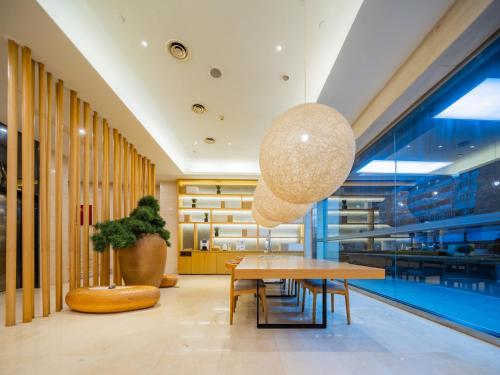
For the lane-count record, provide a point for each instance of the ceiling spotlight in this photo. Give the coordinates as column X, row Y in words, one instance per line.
column 435, row 193
column 285, row 77
column 472, row 146
column 82, row 131
column 279, row 48
column 440, row 146
column 408, row 146
column 195, row 142
column 215, row 72
column 496, row 183
column 304, row 137
column 210, row 140
column 229, row 144
column 144, row 43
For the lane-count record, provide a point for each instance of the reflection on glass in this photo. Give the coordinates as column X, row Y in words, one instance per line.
column 423, row 202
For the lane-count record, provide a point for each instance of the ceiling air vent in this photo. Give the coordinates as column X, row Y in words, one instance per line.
column 210, row 140
column 178, row 50
column 198, row 108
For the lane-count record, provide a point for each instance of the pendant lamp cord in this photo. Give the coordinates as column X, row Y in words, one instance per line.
column 305, row 52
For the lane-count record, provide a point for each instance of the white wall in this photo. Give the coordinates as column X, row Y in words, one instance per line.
column 167, row 196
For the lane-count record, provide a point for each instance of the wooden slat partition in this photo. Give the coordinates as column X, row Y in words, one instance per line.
column 44, row 234
column 133, row 177
column 86, row 192
column 11, row 230
column 95, row 192
column 58, row 189
column 27, row 186
column 73, row 134
column 105, row 257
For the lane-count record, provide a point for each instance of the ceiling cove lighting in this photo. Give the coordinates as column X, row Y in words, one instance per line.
column 480, row 103
column 403, row 167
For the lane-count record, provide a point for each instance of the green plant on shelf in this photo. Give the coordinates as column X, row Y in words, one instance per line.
column 123, row 233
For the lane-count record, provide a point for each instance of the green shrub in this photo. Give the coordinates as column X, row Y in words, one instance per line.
column 124, row 232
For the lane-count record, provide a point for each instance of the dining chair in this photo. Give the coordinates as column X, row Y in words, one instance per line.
column 315, row 286
column 241, row 287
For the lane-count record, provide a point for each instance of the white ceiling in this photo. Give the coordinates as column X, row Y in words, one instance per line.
column 239, row 36
column 139, row 88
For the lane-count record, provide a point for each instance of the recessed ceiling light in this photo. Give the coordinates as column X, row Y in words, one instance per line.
column 496, row 183
column 440, row 146
column 210, row 140
column 195, row 142
column 304, row 137
column 480, row 103
column 408, row 146
column 82, row 131
column 229, row 144
column 402, row 167
column 198, row 108
column 144, row 43
column 279, row 48
column 285, row 77
column 472, row 146
column 215, row 72
column 435, row 193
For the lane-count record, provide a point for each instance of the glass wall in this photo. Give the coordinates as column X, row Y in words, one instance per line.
column 423, row 202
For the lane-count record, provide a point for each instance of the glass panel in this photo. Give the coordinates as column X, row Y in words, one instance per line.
column 423, row 202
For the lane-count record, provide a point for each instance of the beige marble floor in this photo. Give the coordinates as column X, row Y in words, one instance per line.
column 188, row 333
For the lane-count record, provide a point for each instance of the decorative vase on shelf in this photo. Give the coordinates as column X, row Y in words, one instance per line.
column 193, row 204
column 218, row 188
column 205, row 218
column 216, row 231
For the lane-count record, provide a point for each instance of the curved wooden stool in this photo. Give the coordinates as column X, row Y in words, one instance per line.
column 168, row 281
column 105, row 300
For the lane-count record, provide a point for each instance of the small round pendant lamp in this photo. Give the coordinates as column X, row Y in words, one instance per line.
column 261, row 220
column 307, row 153
column 275, row 209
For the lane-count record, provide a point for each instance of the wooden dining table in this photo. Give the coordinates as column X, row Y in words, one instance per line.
column 262, row 267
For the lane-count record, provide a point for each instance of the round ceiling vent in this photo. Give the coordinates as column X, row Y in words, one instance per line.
column 215, row 72
column 178, row 50
column 210, row 140
column 198, row 108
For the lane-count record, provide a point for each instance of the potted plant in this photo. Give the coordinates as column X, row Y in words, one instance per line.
column 141, row 240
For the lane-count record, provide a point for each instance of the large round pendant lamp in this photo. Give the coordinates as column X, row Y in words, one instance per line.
column 261, row 220
column 307, row 153
column 275, row 209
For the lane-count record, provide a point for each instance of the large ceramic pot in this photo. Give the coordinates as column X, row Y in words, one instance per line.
column 144, row 263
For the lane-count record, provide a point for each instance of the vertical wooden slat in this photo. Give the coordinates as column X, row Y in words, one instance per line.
column 11, row 232
column 132, row 177
column 95, row 192
column 42, row 135
column 86, row 192
column 116, row 194
column 126, row 178
column 120, row 175
column 78, row 231
column 73, row 134
column 139, row 177
column 105, row 257
column 27, row 186
column 48, row 177
column 31, row 177
column 58, row 189
column 153, row 179
column 144, row 176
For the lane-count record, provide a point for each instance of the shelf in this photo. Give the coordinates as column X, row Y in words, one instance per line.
column 219, row 196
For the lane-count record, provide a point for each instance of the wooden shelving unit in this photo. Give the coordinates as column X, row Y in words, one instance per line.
column 220, row 211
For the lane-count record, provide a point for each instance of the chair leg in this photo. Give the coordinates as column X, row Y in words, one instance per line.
column 298, row 293
column 347, row 307
column 235, row 302
column 314, row 307
column 303, row 297
column 332, row 296
column 231, row 308
column 264, row 304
